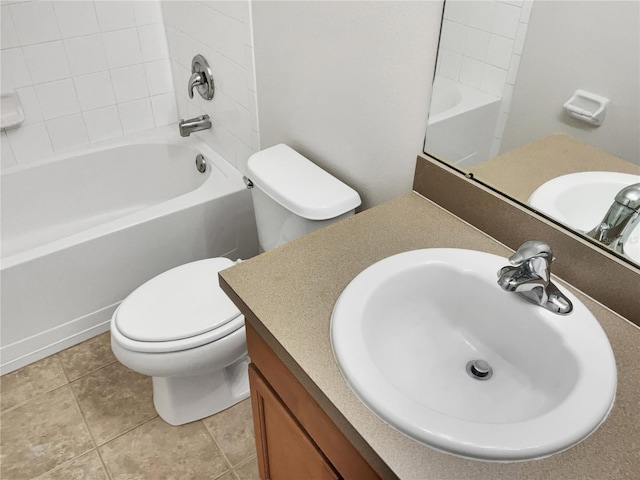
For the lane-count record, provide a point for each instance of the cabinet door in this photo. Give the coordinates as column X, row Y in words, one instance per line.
column 285, row 451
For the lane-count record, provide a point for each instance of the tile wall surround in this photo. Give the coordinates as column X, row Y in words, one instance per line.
column 85, row 72
column 221, row 31
column 481, row 45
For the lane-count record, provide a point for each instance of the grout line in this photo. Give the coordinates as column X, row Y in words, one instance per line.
column 215, row 442
column 127, row 431
column 62, row 465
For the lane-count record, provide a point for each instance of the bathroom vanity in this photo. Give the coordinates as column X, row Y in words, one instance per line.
column 307, row 417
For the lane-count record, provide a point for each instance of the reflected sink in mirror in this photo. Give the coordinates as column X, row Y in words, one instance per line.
column 429, row 342
column 581, row 200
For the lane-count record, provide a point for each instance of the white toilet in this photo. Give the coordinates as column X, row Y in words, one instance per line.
column 182, row 330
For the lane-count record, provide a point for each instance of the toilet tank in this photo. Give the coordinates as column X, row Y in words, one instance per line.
column 292, row 196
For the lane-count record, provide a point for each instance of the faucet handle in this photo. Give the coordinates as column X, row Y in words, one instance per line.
column 532, row 249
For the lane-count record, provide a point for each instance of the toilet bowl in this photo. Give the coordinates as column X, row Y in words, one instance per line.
column 182, row 330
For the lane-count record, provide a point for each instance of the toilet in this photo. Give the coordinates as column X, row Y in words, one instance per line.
column 183, row 331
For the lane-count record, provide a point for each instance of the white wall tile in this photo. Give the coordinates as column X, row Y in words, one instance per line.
column 122, row 48
column 8, row 35
column 129, row 83
column 78, row 51
column 67, row 132
column 115, row 15
column 94, row 91
column 493, row 80
column 14, row 69
column 481, row 15
column 202, row 19
column 235, row 84
column 453, row 36
column 471, row 72
column 506, row 20
column 35, row 22
column 47, row 62
column 458, row 11
column 525, row 14
column 30, row 105
column 86, row 54
column 153, row 42
column 76, row 18
column 499, row 51
column 233, row 43
column 103, row 124
column 6, row 153
column 514, row 66
column 147, row 13
column 184, row 48
column 57, row 99
column 30, row 143
column 158, row 75
column 477, row 44
column 136, row 116
column 521, row 34
column 165, row 110
column 449, row 64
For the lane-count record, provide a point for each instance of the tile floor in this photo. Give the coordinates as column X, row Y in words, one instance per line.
column 80, row 414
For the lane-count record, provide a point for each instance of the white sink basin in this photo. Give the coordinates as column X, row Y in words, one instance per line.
column 404, row 330
column 580, row 200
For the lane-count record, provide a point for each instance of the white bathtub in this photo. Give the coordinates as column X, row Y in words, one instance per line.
column 461, row 125
column 81, row 232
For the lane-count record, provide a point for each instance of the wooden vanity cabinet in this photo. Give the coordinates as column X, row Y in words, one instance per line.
column 295, row 438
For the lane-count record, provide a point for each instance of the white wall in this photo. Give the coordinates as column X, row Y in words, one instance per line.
column 84, row 71
column 481, row 45
column 221, row 32
column 588, row 45
column 347, row 84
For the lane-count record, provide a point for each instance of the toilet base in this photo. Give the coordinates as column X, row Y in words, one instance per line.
column 180, row 400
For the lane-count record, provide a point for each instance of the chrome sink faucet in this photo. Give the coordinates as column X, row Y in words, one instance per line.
column 530, row 277
column 620, row 220
column 187, row 127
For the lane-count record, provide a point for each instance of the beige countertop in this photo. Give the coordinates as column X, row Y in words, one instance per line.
column 288, row 296
column 520, row 171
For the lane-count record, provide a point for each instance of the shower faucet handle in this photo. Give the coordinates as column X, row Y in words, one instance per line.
column 201, row 78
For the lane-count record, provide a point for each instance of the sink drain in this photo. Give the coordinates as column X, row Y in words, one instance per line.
column 479, row 370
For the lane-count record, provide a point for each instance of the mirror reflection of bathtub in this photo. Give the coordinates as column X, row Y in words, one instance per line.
column 462, row 122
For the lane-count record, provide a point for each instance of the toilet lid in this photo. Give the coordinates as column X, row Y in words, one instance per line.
column 183, row 302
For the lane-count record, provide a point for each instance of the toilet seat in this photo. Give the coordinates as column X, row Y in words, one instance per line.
column 179, row 309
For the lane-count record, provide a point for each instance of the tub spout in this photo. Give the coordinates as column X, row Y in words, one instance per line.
column 187, row 127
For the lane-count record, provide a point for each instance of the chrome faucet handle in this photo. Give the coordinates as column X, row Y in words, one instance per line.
column 530, row 276
column 201, row 77
column 195, row 80
column 630, row 197
column 530, row 250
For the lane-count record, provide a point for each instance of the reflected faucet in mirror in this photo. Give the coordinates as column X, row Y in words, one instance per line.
column 620, row 220
column 497, row 104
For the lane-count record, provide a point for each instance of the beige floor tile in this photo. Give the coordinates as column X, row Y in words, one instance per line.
column 157, row 450
column 87, row 356
column 248, row 470
column 27, row 382
column 41, row 434
column 114, row 399
column 228, row 476
column 86, row 467
column 233, row 431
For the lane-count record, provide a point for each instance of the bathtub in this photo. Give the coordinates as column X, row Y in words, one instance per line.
column 79, row 233
column 461, row 124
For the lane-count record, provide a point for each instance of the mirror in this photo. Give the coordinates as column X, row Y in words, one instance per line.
column 531, row 97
